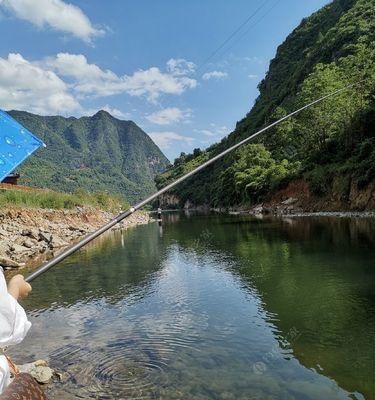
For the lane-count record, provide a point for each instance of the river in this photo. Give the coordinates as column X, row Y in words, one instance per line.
column 212, row 307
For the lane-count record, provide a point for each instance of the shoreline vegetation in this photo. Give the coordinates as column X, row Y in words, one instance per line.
column 36, row 225
column 30, row 197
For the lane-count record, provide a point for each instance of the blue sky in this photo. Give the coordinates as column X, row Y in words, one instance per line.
column 143, row 60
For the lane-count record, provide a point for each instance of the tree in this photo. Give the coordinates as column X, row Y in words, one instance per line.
column 256, row 172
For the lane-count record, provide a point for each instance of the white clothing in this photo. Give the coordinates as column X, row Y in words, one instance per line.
column 14, row 326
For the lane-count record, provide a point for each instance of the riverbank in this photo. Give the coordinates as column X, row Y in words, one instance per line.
column 298, row 199
column 31, row 235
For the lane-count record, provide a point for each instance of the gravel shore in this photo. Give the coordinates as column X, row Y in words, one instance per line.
column 26, row 235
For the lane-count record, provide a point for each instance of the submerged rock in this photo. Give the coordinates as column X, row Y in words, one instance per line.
column 39, row 370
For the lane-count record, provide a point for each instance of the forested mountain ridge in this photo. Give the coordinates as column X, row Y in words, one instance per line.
column 329, row 145
column 98, row 153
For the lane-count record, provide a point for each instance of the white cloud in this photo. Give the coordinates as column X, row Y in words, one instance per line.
column 214, row 75
column 56, row 14
column 89, row 79
column 214, row 131
column 153, row 83
column 86, row 78
column 252, row 76
column 254, row 60
column 168, row 116
column 165, row 139
column 180, row 66
column 26, row 86
column 116, row 112
column 113, row 111
column 58, row 85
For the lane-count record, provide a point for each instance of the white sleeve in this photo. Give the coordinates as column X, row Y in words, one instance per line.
column 4, row 373
column 14, row 324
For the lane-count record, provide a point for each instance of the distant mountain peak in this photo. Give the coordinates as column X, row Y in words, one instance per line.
column 103, row 113
column 94, row 153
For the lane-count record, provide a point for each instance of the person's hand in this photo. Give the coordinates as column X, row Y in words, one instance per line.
column 18, row 287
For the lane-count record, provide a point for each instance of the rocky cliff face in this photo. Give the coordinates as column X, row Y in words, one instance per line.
column 299, row 197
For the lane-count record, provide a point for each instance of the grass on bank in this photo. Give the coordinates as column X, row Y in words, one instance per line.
column 48, row 199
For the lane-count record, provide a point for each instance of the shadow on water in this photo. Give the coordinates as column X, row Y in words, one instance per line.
column 213, row 307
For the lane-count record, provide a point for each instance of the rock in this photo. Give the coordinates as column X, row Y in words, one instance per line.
column 39, row 370
column 32, row 233
column 289, row 201
column 4, row 247
column 9, row 263
column 40, row 363
column 46, row 237
column 257, row 209
column 42, row 249
column 16, row 248
column 28, row 243
column 57, row 242
column 61, row 376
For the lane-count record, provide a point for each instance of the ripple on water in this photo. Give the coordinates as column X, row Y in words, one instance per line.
column 121, row 369
column 135, row 367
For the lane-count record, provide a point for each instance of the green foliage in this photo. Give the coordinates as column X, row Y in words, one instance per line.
column 96, row 153
column 49, row 199
column 256, row 172
column 328, row 51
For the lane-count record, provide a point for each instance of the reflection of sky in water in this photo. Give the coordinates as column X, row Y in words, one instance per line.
column 190, row 328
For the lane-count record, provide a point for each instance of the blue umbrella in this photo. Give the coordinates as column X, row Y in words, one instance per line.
column 16, row 144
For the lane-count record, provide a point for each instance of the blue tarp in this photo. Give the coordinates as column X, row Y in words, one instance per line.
column 16, row 144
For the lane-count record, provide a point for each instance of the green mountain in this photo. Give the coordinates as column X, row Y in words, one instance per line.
column 330, row 146
column 98, row 153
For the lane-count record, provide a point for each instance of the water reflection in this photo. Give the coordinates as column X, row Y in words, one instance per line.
column 108, row 267
column 316, row 280
column 213, row 307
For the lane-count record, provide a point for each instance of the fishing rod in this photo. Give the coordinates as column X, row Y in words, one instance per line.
column 66, row 253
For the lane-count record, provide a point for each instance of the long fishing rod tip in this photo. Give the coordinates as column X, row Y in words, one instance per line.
column 132, row 209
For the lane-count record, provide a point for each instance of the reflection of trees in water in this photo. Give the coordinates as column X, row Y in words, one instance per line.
column 314, row 275
column 103, row 268
column 317, row 276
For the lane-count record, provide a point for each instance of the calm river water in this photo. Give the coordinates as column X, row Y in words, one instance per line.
column 212, row 307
